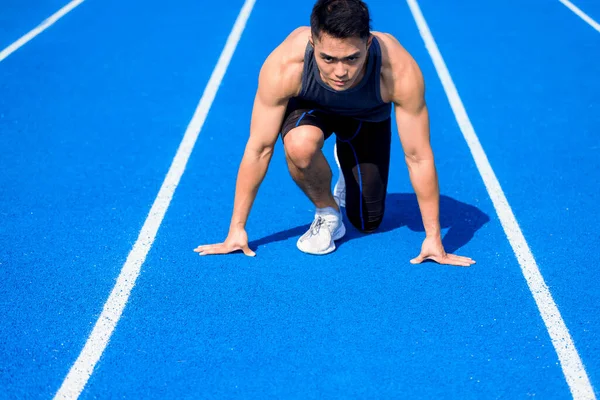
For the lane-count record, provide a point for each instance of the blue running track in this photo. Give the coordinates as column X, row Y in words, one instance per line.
column 92, row 112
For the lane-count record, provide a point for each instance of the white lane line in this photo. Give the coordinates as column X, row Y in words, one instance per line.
column 39, row 29
column 570, row 361
column 581, row 14
column 83, row 367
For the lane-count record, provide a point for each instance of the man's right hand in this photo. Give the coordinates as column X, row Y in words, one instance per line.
column 236, row 240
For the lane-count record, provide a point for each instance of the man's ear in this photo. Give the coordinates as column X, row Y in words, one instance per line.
column 369, row 41
column 312, row 43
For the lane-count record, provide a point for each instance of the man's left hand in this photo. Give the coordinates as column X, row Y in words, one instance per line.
column 432, row 249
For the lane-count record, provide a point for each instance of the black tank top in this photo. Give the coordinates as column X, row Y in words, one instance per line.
column 362, row 102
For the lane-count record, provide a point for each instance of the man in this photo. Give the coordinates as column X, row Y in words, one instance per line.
column 338, row 77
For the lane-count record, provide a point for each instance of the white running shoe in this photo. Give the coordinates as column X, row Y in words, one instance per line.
column 325, row 229
column 339, row 190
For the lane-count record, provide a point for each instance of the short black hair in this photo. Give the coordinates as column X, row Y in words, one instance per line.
column 340, row 19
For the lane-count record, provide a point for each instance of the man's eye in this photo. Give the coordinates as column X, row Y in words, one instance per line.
column 351, row 59
column 328, row 59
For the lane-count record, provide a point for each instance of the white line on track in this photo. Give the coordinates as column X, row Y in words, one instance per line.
column 570, row 361
column 581, row 14
column 39, row 29
column 83, row 367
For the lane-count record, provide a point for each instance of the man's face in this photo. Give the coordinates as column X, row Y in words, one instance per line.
column 340, row 61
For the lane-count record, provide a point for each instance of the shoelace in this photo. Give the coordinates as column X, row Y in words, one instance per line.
column 316, row 225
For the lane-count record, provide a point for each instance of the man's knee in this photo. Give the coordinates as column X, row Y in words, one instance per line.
column 302, row 143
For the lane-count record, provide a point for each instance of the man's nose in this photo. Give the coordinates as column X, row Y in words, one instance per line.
column 340, row 70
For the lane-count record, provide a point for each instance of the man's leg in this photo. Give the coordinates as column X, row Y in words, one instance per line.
column 364, row 157
column 303, row 137
column 308, row 166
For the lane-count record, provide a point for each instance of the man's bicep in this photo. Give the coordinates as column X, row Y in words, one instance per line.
column 412, row 117
column 278, row 81
column 267, row 117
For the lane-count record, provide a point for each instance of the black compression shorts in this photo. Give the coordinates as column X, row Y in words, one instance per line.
column 363, row 149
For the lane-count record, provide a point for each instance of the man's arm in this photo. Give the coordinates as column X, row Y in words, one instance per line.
column 267, row 116
column 270, row 103
column 412, row 118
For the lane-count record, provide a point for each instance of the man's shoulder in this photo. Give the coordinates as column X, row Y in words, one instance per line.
column 284, row 65
column 400, row 72
column 298, row 38
column 394, row 57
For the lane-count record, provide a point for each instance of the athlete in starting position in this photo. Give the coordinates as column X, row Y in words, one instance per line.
column 339, row 77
